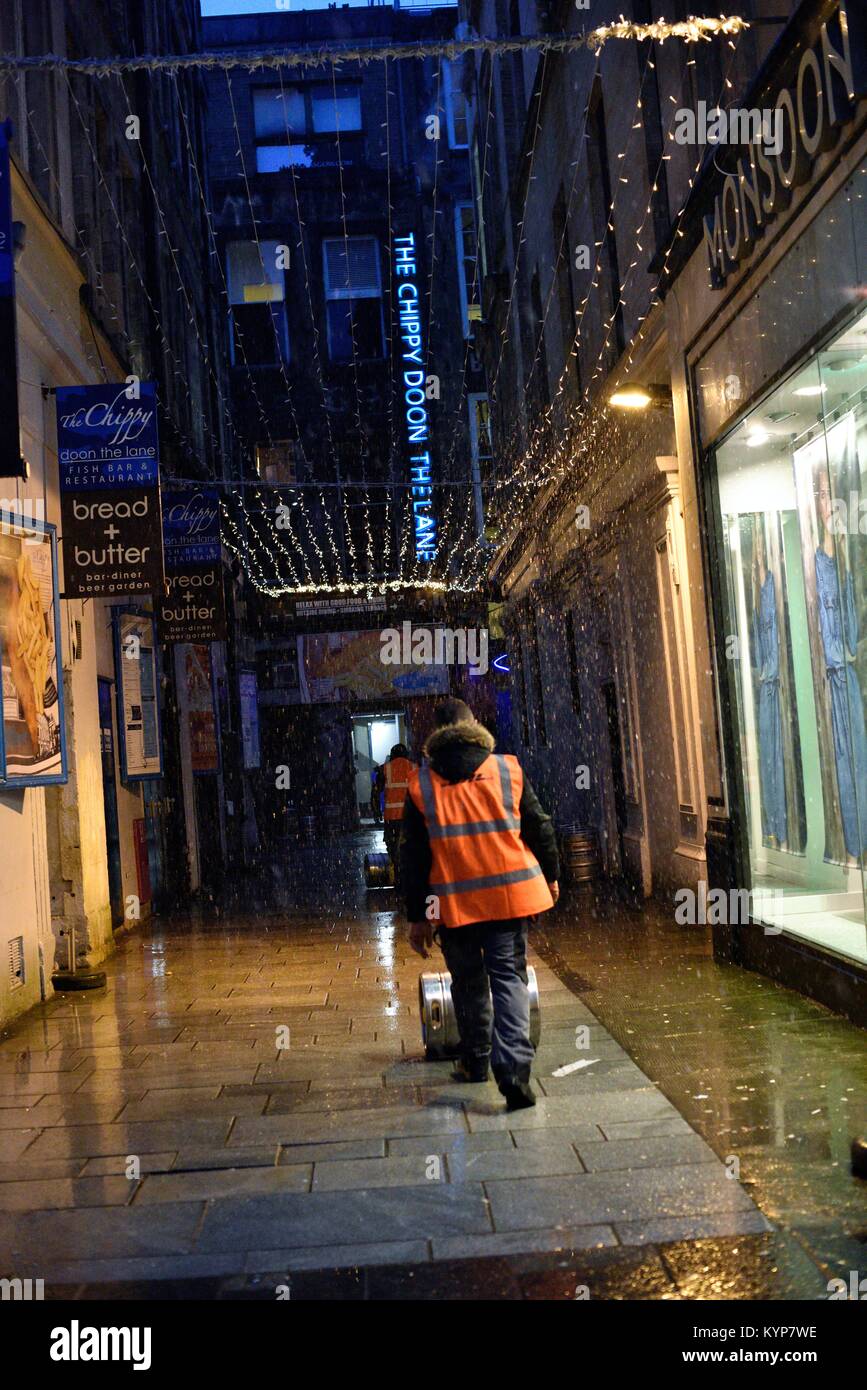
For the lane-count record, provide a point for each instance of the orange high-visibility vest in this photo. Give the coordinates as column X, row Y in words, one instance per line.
column 481, row 870
column 397, row 771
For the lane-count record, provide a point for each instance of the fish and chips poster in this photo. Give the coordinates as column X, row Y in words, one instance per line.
column 32, row 745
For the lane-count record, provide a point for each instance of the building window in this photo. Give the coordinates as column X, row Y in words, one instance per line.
column 257, row 295
column 791, row 478
column 481, row 454
column 297, row 126
column 457, row 109
column 353, row 298
column 538, row 688
column 467, row 253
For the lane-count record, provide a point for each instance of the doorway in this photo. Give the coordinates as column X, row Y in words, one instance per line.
column 109, row 796
column 373, row 737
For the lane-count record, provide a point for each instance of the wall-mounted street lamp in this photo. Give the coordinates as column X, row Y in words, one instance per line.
column 641, row 398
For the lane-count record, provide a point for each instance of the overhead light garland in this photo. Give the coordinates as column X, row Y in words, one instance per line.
column 693, row 29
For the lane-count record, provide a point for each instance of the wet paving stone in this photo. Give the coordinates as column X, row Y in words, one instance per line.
column 352, row 1167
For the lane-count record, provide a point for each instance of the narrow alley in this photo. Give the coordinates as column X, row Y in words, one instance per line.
column 157, row 1141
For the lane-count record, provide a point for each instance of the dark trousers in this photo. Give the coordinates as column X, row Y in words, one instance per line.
column 391, row 830
column 491, row 954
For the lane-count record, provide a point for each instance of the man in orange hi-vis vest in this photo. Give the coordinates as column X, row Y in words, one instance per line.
column 395, row 774
column 479, row 859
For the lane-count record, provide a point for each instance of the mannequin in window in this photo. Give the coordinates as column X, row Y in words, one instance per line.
column 766, row 648
column 838, row 624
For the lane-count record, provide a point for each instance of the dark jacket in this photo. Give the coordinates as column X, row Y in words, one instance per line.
column 455, row 752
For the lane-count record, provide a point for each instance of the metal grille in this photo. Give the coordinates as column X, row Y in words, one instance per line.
column 16, row 962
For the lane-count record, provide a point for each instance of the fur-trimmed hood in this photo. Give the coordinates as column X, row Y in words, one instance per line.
column 457, row 750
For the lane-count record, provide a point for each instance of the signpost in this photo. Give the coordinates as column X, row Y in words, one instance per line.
column 194, row 608
column 108, row 452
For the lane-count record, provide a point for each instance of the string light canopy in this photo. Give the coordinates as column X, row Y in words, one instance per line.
column 301, row 539
column 693, row 29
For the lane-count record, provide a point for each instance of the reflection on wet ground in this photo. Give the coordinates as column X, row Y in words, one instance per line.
column 159, row 1139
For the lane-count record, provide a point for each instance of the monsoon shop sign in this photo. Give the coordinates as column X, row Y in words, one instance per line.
column 821, row 97
column 416, row 417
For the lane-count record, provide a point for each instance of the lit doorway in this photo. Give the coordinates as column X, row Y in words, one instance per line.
column 373, row 737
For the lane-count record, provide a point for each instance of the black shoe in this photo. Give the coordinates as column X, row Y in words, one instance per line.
column 471, row 1071
column 519, row 1095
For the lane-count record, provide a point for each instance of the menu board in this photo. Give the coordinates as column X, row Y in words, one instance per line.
column 137, row 697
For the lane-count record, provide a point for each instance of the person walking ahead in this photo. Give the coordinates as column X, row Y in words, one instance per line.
column 477, row 842
column 396, row 771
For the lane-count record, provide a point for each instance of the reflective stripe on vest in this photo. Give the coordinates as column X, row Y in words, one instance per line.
column 396, row 786
column 471, row 827
column 481, row 869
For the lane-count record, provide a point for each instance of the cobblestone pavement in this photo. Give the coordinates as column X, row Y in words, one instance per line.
column 154, row 1137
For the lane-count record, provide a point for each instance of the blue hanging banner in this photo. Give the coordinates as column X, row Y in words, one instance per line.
column 194, row 608
column 108, row 457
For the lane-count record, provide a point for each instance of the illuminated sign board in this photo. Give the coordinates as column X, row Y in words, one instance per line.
column 416, row 417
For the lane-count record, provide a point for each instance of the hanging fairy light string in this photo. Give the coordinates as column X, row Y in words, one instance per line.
column 317, row 355
column 585, row 410
column 279, row 356
column 444, row 544
column 576, row 164
column 351, row 317
column 178, row 369
column 218, row 260
column 692, row 29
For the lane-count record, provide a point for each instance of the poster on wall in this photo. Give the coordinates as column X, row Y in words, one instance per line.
column 772, row 715
column 108, row 455
column 201, row 711
column 193, row 609
column 32, row 733
column 335, row 666
column 138, row 697
column 249, row 700
column 834, row 555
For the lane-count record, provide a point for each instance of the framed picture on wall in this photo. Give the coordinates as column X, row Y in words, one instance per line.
column 138, row 715
column 32, row 729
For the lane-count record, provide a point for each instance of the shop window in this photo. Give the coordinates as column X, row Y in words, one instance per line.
column 353, row 298
column 457, row 109
column 792, row 481
column 481, row 454
column 467, row 253
column 298, row 126
column 257, row 295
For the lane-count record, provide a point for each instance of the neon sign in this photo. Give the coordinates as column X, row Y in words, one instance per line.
column 416, row 420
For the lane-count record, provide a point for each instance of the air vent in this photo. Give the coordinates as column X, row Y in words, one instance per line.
column 16, row 962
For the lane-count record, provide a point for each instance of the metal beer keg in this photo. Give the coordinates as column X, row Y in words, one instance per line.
column 378, row 871
column 439, row 1026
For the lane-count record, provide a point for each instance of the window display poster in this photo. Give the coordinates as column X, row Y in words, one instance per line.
column 774, row 707
column 137, row 695
column 834, row 554
column 193, row 609
column 249, row 699
column 201, row 712
column 32, row 734
column 108, row 453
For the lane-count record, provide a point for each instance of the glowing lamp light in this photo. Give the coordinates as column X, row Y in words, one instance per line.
column 757, row 437
column 810, row 390
column 631, row 398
